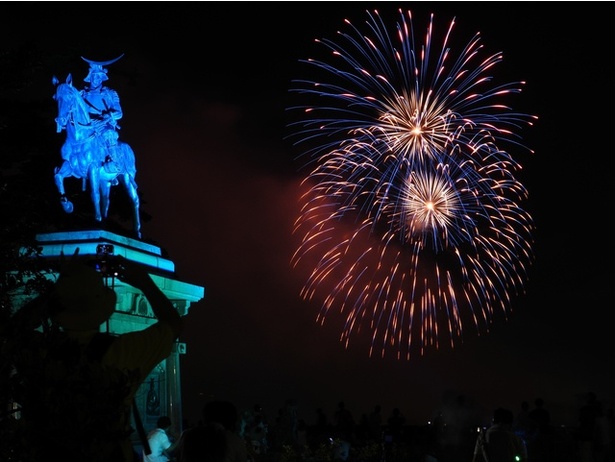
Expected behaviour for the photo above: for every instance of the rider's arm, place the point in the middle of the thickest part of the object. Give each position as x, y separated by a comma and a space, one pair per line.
114, 108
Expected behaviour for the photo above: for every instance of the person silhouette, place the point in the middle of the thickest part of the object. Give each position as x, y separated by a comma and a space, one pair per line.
161, 446
588, 430
499, 443
320, 429
374, 421
216, 439
523, 425
344, 422
540, 417
79, 302
395, 425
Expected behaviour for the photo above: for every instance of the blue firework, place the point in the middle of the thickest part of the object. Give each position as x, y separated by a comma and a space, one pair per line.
411, 217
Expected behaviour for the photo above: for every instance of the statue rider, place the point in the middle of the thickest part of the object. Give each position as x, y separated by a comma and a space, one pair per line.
104, 107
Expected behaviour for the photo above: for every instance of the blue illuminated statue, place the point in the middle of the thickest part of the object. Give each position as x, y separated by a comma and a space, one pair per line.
92, 150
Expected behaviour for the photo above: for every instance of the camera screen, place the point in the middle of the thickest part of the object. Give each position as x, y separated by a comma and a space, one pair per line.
105, 249
105, 261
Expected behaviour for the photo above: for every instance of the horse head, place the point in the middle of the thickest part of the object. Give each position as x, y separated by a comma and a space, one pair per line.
61, 98
71, 107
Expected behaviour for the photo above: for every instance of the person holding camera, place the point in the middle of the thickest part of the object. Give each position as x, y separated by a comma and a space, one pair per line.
84, 381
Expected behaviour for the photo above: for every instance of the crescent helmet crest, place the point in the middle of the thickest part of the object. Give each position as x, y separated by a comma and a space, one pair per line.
97, 67
102, 63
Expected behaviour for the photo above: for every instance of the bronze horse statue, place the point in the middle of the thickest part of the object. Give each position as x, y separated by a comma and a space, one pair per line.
85, 156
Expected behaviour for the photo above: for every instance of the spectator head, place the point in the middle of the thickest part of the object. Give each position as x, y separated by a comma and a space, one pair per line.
81, 300
503, 416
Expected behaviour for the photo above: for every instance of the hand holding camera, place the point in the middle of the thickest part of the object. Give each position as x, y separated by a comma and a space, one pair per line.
130, 272
116, 266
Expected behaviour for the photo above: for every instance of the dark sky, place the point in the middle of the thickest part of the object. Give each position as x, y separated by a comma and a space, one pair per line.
204, 88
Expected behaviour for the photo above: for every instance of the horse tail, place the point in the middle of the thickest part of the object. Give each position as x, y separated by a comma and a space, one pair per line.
127, 159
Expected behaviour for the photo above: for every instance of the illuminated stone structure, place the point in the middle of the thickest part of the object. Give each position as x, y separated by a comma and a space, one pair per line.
161, 392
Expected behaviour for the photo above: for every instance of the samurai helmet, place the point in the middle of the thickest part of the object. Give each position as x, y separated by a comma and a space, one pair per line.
97, 67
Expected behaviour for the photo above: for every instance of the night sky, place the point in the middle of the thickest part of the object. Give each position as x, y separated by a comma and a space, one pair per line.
204, 87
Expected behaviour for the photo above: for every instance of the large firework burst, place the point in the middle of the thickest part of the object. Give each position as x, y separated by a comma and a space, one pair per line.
411, 220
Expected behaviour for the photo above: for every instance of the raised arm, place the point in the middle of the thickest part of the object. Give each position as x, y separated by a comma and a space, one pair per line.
133, 274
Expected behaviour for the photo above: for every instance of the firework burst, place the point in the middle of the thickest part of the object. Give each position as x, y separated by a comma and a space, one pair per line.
411, 220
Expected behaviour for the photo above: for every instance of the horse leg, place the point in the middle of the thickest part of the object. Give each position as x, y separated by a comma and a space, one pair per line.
131, 188
105, 193
59, 174
94, 177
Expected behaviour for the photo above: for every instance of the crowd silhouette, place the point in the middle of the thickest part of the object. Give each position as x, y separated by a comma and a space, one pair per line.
297, 434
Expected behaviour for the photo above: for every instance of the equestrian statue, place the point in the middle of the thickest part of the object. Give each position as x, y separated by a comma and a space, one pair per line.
92, 150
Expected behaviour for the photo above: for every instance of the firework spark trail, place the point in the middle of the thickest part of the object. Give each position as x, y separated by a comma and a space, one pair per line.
412, 211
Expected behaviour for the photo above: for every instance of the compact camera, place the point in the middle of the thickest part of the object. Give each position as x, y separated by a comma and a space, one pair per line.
105, 260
